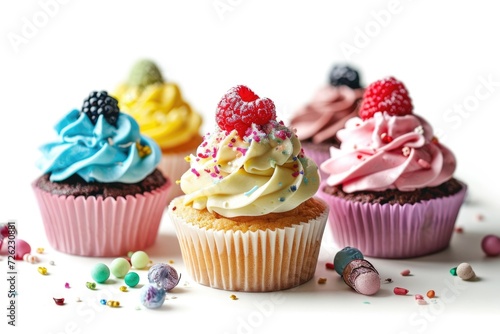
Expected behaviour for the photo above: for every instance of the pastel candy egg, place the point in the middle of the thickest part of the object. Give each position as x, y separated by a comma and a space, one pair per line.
139, 259
151, 296
164, 276
100, 273
465, 271
491, 245
119, 267
22, 247
132, 279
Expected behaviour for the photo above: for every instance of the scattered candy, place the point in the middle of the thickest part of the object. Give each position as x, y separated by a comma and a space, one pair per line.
419, 296
52, 263
103, 301
400, 291
465, 271
459, 230
491, 245
42, 270
90, 285
113, 303
453, 271
66, 285
40, 250
164, 276
123, 288
329, 265
322, 280
431, 294
30, 258
59, 301
405, 272
119, 267
100, 273
151, 296
357, 272
22, 247
233, 297
132, 279
139, 259
388, 280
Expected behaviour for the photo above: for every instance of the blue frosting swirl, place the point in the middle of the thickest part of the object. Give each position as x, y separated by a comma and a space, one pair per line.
98, 153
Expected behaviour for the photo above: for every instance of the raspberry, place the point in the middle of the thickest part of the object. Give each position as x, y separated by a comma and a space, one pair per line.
100, 103
240, 107
389, 95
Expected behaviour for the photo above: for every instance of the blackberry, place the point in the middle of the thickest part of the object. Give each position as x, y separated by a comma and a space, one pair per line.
344, 75
100, 103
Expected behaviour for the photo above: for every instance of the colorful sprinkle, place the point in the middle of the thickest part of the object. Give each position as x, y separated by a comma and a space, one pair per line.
405, 272
40, 250
329, 266
59, 301
42, 270
431, 294
233, 297
321, 280
90, 285
66, 285
400, 291
453, 271
103, 301
251, 191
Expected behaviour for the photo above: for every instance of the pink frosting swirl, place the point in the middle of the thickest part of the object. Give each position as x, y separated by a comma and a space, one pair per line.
330, 108
388, 152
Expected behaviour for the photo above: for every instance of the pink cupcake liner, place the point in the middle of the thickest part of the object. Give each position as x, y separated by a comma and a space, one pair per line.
259, 261
173, 165
394, 231
96, 227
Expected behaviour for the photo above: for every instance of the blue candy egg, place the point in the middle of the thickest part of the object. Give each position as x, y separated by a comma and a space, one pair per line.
151, 296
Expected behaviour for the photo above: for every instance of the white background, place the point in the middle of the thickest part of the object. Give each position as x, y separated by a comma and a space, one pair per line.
55, 52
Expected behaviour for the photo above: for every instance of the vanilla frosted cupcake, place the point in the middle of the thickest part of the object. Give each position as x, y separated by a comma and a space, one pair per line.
100, 192
163, 114
248, 220
391, 186
318, 121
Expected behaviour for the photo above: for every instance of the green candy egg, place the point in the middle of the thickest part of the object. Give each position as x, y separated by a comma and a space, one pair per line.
139, 259
132, 279
120, 267
100, 273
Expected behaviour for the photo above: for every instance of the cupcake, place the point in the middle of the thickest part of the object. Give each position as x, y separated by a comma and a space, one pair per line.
318, 121
163, 115
391, 186
100, 192
249, 220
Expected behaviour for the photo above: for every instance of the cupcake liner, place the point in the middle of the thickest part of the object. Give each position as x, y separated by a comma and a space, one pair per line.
97, 227
318, 153
394, 231
257, 261
173, 165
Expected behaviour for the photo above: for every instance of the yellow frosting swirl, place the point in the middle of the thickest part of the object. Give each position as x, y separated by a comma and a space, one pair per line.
251, 176
161, 113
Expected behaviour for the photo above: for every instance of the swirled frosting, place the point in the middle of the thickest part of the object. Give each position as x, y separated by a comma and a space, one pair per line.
251, 176
388, 152
161, 112
101, 152
326, 113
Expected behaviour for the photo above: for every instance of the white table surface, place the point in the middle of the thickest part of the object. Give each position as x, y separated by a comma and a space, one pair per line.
445, 53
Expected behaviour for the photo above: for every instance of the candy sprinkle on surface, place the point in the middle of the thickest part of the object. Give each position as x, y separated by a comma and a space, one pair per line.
400, 291
431, 294
405, 272
453, 271
233, 297
321, 280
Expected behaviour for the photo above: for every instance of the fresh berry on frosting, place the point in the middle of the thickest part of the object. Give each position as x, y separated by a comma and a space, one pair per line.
100, 103
241, 107
386, 95
343, 75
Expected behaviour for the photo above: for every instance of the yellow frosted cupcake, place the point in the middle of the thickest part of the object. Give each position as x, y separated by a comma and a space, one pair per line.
249, 220
163, 114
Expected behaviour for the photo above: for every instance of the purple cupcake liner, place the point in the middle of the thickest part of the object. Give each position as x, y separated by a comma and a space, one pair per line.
394, 231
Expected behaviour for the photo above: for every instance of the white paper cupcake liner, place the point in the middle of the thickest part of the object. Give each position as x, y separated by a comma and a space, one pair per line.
97, 227
394, 231
250, 261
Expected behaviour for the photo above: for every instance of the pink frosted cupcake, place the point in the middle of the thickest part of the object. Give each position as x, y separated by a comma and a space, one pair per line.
100, 192
390, 188
332, 105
